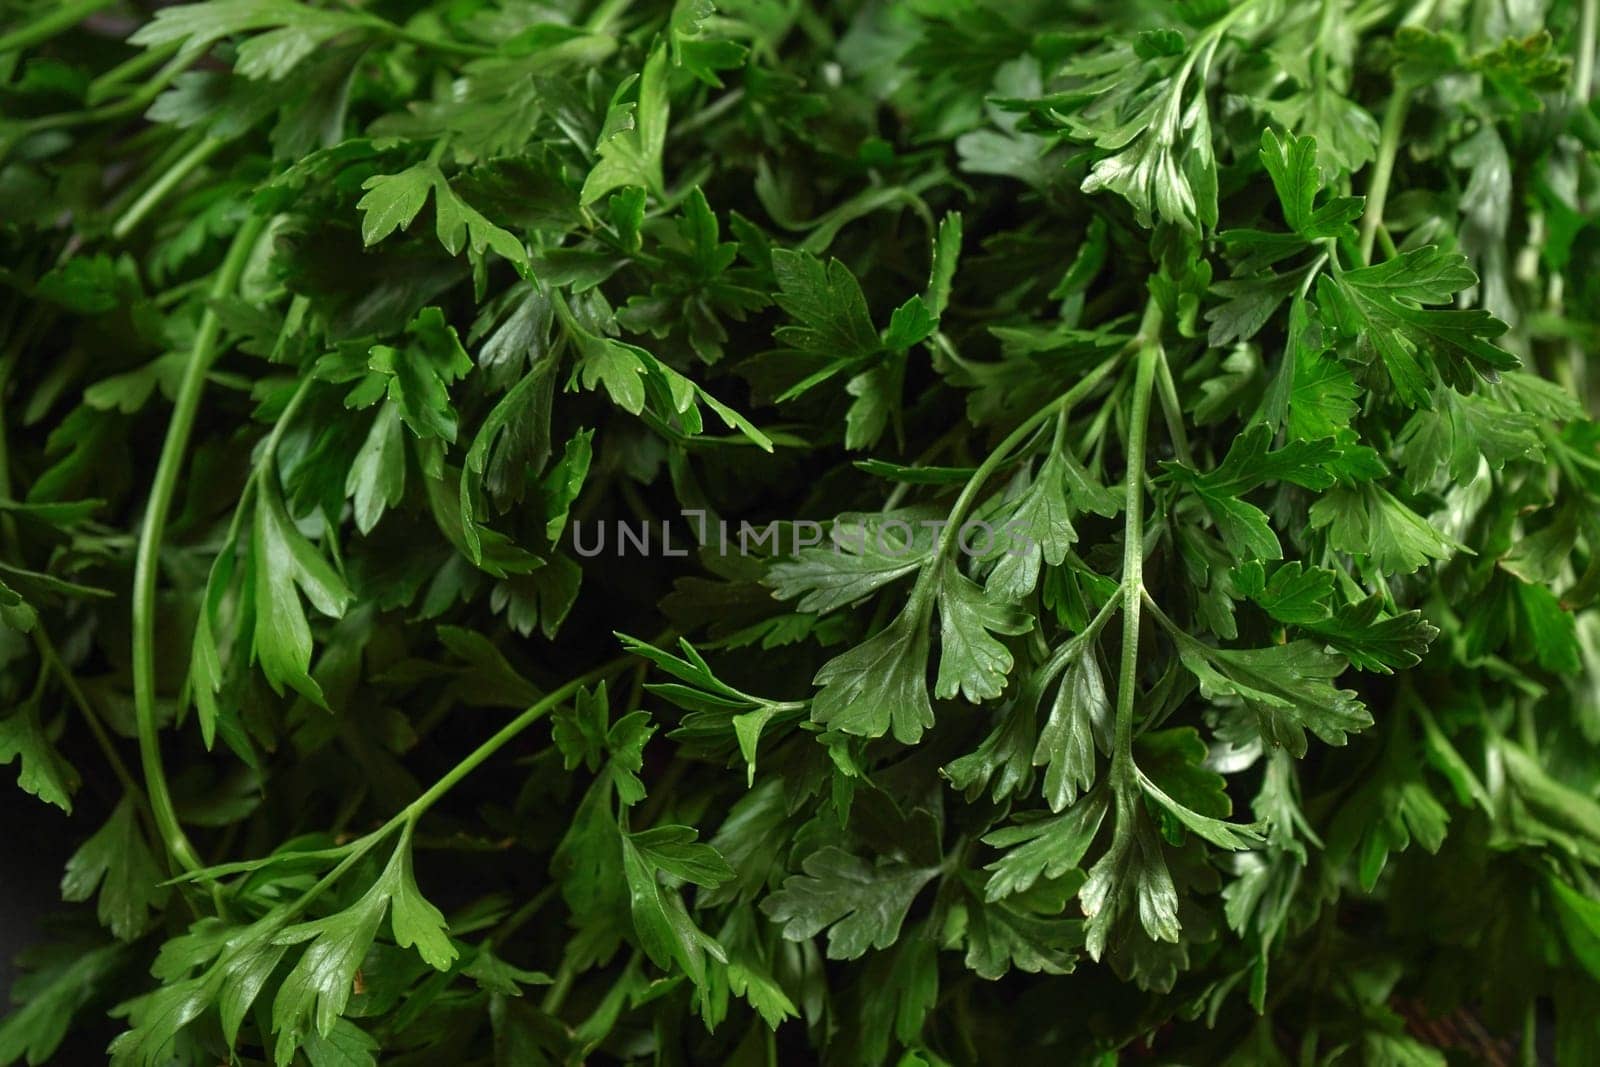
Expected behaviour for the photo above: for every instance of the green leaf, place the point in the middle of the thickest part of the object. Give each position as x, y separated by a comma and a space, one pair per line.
417, 378
860, 904
1130, 878
1459, 432
1044, 847
1000, 937
564, 482
117, 861
1249, 464
1292, 165
1368, 521
59, 981
1287, 687
1373, 640
317, 990
347, 1045
1323, 394
827, 304
1382, 310
634, 134
1580, 922
296, 31
671, 849
284, 561
460, 225
881, 683
1080, 714
1222, 834
1042, 532
42, 772
377, 478
666, 932
392, 201
865, 555
414, 921
1294, 594
697, 50
972, 662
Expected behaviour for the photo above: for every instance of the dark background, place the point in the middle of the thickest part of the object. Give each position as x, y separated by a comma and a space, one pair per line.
35, 841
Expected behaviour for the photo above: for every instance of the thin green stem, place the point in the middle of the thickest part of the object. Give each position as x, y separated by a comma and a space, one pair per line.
1002, 452
148, 553
128, 70
1068, 650
557, 993
1133, 557
436, 44
297, 399
1312, 271
407, 816
169, 179
1386, 242
1172, 411
131, 104
1583, 68
1394, 120
505, 734
530, 907
50, 24
52, 662
159, 162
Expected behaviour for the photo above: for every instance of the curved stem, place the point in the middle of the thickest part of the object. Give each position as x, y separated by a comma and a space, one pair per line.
131, 104
126, 71
499, 739
1133, 557
147, 555
1394, 120
47, 26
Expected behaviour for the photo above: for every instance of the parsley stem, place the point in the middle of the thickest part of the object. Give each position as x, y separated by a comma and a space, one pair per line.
1068, 650
47, 26
436, 44
129, 105
148, 554
129, 69
1173, 411
1394, 120
412, 811
1133, 552
958, 511
169, 179
51, 660
1312, 271
1583, 70
406, 818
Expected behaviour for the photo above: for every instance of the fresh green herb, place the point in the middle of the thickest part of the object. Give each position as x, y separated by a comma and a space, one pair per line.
731, 531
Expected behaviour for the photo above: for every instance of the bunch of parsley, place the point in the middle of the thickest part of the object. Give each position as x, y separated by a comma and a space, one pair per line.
336, 333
